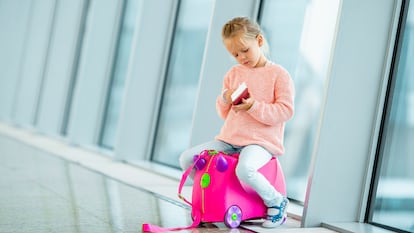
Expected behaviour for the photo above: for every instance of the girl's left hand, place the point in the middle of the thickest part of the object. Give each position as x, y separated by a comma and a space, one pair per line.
245, 105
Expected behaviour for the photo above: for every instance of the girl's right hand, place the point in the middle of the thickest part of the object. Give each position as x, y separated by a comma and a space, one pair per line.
227, 96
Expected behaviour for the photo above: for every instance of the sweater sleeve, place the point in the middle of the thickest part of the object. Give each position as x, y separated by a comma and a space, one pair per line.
282, 109
222, 107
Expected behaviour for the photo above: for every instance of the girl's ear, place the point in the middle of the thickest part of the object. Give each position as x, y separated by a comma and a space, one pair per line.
260, 40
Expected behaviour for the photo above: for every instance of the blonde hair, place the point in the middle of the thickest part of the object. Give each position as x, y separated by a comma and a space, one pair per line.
248, 28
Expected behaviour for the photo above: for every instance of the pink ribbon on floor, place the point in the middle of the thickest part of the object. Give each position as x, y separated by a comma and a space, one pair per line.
146, 227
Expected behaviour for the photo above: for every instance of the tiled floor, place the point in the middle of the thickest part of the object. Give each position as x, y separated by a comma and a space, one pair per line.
42, 192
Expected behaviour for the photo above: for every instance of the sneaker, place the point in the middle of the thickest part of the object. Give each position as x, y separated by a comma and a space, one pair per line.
276, 215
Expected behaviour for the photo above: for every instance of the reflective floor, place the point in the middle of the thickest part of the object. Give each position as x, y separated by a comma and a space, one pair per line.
41, 192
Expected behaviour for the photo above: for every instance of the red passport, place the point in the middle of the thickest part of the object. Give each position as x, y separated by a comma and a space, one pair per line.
240, 93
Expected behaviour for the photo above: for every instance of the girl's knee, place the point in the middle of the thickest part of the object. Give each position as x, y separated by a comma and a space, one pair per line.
185, 160
245, 172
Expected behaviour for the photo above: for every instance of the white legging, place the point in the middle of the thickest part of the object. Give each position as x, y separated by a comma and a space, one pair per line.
251, 159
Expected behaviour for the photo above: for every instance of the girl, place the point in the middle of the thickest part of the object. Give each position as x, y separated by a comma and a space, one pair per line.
254, 127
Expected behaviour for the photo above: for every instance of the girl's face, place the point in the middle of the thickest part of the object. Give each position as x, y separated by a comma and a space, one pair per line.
247, 52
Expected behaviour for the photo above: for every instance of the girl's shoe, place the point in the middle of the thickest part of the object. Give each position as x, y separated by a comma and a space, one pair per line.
276, 215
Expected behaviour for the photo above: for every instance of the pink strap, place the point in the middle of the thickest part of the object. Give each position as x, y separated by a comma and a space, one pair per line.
146, 227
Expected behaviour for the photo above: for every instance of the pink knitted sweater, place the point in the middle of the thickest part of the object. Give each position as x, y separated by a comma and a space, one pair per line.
263, 124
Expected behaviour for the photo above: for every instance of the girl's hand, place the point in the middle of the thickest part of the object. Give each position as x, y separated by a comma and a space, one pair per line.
244, 106
227, 95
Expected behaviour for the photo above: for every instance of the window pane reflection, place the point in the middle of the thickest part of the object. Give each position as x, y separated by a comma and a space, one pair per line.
174, 125
119, 74
394, 197
300, 35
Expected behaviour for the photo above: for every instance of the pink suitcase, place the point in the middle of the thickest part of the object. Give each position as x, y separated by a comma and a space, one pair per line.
219, 196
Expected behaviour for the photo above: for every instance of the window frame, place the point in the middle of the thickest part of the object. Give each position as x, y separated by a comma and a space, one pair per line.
385, 116
136, 127
371, 32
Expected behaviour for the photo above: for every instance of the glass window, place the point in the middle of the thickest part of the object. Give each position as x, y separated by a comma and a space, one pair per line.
119, 74
393, 202
300, 36
181, 84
